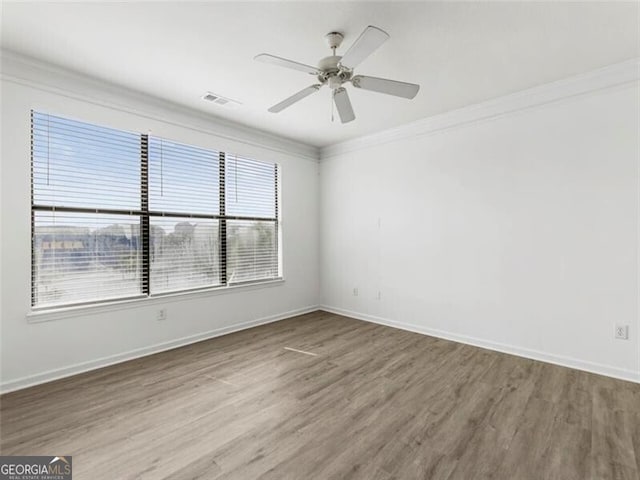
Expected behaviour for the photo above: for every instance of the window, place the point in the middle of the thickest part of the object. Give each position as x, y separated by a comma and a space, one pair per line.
86, 212
184, 216
122, 215
252, 222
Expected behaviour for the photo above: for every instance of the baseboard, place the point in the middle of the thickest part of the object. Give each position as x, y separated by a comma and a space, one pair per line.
563, 361
48, 376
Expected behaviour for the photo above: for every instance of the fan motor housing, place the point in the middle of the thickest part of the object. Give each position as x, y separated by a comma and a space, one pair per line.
330, 68
330, 63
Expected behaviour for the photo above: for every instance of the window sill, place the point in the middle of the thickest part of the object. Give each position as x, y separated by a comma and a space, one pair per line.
38, 316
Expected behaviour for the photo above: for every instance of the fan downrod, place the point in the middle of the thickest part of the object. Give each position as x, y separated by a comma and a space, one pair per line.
334, 40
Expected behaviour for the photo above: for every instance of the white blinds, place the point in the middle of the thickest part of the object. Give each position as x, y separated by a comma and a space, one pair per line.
76, 164
252, 228
85, 186
250, 188
183, 179
184, 205
185, 253
252, 250
118, 214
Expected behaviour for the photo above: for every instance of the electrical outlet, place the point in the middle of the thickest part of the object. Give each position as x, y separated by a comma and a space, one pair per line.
162, 314
379, 295
355, 291
622, 332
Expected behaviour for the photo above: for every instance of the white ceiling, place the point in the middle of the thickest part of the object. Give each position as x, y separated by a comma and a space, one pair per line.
460, 53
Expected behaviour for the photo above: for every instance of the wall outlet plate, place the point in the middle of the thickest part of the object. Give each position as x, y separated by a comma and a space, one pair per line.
162, 314
622, 332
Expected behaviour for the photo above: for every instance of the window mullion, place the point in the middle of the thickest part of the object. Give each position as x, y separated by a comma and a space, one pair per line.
223, 220
34, 284
144, 218
277, 214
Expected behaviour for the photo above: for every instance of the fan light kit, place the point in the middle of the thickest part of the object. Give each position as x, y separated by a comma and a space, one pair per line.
336, 70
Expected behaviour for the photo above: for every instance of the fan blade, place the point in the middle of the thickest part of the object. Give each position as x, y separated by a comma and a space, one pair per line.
343, 104
382, 85
368, 41
294, 98
283, 62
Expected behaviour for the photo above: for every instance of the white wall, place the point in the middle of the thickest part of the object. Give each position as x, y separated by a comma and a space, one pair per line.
518, 233
34, 352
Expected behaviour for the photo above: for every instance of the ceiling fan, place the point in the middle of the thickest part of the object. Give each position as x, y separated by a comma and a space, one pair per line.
337, 70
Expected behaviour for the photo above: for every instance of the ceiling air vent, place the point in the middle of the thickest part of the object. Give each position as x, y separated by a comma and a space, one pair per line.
220, 100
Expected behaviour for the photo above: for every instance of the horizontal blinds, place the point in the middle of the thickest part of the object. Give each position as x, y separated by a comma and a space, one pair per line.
251, 250
84, 258
250, 188
251, 191
117, 214
86, 223
76, 164
182, 178
184, 253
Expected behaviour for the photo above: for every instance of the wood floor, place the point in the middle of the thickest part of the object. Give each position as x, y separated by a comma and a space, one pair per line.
372, 403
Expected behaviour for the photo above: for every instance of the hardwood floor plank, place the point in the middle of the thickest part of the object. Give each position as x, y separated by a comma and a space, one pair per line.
369, 403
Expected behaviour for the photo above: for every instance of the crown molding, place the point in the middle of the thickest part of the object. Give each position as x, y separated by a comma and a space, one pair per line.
45, 76
34, 73
615, 75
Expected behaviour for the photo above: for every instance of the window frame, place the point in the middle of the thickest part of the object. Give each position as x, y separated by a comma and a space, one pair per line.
145, 214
